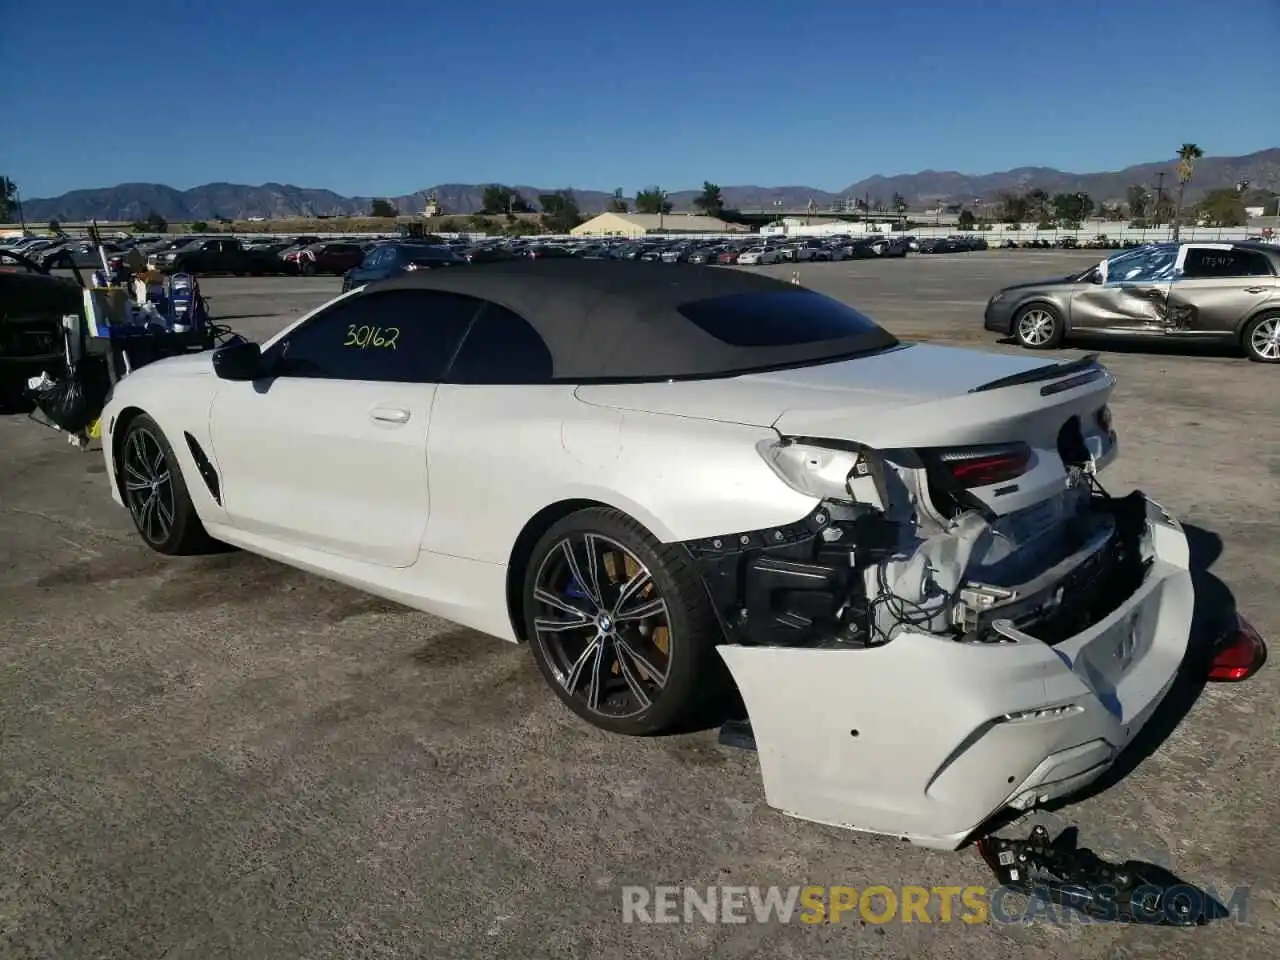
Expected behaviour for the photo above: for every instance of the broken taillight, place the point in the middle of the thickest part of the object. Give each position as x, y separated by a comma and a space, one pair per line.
985, 465
1240, 653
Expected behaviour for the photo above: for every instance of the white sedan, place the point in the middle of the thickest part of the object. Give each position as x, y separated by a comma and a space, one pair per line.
649, 474
755, 256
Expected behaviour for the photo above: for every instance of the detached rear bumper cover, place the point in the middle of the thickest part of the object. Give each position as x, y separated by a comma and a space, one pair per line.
925, 738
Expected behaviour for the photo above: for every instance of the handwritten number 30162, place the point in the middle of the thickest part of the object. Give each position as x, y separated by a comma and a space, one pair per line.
366, 336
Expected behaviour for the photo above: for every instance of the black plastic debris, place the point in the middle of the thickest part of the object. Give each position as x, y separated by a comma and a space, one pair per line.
1075, 877
737, 733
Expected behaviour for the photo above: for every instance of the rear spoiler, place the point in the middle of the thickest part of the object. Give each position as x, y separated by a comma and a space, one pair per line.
1085, 369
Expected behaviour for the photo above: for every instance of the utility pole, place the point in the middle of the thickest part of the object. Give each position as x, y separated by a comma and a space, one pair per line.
1159, 194
22, 220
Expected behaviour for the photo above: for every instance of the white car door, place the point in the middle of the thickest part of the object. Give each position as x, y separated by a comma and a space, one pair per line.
329, 452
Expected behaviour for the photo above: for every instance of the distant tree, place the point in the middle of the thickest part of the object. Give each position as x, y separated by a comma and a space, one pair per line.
382, 207
899, 204
55, 228
1223, 208
498, 199
1188, 154
1012, 207
155, 223
709, 203
861, 204
617, 203
199, 226
8, 199
1037, 205
967, 220
1139, 201
1072, 207
560, 212
652, 200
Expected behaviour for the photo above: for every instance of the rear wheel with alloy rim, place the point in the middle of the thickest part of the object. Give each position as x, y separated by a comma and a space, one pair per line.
620, 625
1262, 338
152, 487
1038, 327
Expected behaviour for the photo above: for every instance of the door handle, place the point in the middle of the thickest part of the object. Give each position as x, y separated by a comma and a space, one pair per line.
1255, 289
391, 414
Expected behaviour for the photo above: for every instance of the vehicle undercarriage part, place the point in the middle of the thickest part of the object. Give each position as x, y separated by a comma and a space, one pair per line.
1059, 871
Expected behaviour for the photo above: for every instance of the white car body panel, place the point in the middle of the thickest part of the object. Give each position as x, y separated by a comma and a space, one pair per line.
426, 509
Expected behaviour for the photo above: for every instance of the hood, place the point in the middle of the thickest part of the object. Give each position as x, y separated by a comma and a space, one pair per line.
902, 376
1054, 282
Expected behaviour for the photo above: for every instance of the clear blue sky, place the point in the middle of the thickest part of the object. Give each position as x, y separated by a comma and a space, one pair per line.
384, 98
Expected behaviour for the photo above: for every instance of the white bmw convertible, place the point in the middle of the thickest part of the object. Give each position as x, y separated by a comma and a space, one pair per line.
649, 473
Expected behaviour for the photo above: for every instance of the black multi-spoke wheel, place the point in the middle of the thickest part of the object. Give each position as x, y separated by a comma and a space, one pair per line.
152, 487
620, 626
148, 485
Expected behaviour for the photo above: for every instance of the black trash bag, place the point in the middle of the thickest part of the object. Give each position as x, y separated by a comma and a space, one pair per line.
73, 402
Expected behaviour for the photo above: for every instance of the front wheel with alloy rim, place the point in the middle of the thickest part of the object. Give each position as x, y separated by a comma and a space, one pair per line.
152, 487
1038, 327
620, 625
1262, 338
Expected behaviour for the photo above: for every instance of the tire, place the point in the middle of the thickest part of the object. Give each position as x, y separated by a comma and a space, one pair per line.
679, 680
1261, 338
309, 268
145, 454
1038, 326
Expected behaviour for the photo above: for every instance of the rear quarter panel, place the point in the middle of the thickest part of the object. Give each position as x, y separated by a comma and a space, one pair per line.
497, 456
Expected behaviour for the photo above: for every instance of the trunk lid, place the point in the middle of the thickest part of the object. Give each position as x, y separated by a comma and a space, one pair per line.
906, 375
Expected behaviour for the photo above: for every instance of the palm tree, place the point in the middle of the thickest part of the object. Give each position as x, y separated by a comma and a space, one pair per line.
1188, 154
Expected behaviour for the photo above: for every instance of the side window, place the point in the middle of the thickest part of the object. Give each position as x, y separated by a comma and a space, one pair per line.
1149, 266
399, 336
374, 258
502, 348
1209, 262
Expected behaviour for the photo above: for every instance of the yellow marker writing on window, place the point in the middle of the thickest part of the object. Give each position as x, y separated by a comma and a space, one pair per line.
365, 336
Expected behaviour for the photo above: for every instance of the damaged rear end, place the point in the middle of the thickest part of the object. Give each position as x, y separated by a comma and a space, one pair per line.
966, 622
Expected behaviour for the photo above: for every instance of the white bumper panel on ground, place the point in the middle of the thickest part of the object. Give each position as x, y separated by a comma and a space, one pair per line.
925, 738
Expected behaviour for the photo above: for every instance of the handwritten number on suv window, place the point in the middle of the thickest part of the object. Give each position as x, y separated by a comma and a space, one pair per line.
364, 336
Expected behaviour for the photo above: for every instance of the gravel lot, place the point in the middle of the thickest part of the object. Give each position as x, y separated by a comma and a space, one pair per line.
221, 757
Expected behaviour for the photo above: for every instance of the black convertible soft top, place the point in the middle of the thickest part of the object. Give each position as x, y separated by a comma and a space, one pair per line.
628, 320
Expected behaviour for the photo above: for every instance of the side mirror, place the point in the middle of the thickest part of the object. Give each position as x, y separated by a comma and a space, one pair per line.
238, 361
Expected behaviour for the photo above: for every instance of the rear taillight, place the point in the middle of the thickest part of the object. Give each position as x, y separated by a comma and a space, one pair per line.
1239, 654
985, 465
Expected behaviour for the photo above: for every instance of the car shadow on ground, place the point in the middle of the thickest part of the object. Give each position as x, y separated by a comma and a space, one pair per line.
1215, 609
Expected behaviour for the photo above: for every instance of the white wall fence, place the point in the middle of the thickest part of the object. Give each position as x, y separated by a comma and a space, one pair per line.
1021, 233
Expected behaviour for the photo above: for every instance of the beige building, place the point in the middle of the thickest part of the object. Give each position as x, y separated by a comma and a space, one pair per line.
640, 224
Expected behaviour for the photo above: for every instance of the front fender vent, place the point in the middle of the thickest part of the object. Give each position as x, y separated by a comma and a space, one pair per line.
207, 473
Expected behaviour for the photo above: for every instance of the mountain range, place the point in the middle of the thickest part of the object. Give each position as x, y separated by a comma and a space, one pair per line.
134, 201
